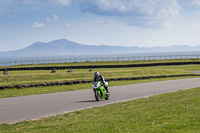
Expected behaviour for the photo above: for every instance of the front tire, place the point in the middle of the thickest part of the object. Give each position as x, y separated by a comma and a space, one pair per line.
97, 96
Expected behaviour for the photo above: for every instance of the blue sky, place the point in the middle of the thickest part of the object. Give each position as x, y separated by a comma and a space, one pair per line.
143, 23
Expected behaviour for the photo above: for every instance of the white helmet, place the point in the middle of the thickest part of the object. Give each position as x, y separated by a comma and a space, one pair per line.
96, 74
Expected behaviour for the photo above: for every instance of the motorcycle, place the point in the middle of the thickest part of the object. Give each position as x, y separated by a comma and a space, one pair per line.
100, 91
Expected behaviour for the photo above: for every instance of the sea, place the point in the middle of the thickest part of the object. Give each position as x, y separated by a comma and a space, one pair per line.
7, 61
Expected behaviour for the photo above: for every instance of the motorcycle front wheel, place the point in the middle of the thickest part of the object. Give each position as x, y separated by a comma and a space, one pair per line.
97, 96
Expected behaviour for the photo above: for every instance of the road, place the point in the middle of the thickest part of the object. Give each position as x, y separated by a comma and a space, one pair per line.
30, 107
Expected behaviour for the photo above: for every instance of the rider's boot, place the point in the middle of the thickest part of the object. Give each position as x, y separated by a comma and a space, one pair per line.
107, 92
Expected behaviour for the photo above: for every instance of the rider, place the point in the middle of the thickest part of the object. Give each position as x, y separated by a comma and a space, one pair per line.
98, 77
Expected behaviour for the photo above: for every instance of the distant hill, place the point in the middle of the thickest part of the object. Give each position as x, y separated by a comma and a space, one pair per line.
66, 47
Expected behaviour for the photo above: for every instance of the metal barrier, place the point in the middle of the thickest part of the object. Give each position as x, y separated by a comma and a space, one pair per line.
71, 60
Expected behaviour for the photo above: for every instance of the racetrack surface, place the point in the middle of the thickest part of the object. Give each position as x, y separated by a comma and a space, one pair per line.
29, 107
196, 72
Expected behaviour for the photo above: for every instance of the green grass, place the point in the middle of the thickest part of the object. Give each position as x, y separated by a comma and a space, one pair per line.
41, 76
175, 112
104, 63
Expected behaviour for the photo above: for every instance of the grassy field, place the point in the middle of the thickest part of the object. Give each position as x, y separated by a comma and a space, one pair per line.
105, 63
41, 76
170, 112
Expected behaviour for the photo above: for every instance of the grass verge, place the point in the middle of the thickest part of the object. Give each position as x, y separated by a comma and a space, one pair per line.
170, 112
41, 76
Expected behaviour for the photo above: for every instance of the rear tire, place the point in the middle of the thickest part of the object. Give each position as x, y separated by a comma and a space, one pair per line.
97, 96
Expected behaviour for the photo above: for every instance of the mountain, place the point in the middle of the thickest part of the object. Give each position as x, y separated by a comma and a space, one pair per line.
66, 47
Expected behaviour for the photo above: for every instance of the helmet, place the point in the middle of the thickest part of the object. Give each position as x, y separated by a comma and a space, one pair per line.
96, 74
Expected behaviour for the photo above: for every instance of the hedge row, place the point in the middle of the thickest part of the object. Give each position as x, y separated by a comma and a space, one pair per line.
20, 86
102, 66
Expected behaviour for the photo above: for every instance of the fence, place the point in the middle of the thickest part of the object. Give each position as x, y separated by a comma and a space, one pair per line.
70, 60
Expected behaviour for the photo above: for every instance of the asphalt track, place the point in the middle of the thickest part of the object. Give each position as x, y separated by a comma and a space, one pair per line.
29, 107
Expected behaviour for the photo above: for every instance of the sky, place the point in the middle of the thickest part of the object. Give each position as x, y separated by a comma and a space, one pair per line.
143, 23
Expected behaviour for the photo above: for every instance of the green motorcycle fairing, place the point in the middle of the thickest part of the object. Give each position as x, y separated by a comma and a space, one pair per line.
101, 90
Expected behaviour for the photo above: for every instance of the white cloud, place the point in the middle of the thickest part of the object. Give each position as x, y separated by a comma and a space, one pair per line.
142, 13
61, 2
55, 17
107, 5
29, 2
25, 2
195, 26
15, 15
99, 21
37, 25
48, 19
69, 25
196, 3
151, 13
